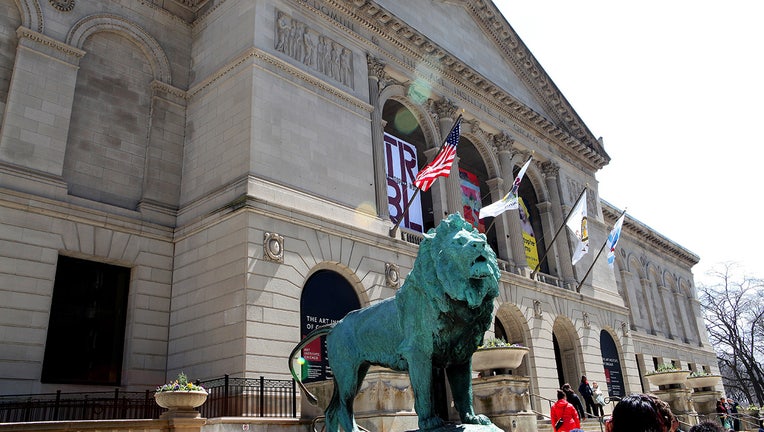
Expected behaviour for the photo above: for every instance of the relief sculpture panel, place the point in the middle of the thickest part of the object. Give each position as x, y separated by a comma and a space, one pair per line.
313, 49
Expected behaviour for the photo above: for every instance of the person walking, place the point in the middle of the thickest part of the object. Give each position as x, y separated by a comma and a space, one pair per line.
573, 398
564, 415
586, 392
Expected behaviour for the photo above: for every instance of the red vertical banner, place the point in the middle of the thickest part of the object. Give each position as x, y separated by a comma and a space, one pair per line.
471, 201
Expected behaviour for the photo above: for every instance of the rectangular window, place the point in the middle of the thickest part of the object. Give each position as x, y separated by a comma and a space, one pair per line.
86, 330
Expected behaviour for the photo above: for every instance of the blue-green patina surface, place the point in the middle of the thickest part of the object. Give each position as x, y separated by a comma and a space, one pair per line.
436, 319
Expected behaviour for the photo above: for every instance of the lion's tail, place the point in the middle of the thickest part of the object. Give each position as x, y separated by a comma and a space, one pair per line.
318, 332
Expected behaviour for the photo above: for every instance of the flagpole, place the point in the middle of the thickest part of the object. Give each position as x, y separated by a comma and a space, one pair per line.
518, 195
391, 233
578, 288
405, 210
564, 222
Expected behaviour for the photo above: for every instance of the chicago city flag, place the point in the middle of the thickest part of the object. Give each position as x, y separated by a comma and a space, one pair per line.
612, 239
509, 202
577, 224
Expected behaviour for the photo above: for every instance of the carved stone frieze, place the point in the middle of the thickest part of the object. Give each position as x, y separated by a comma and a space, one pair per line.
273, 247
313, 49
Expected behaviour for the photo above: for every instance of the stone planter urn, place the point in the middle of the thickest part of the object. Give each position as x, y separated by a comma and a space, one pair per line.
703, 381
501, 357
180, 403
668, 378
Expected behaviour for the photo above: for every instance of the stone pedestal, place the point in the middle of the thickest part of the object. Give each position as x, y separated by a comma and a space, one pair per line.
385, 401
704, 402
681, 404
505, 399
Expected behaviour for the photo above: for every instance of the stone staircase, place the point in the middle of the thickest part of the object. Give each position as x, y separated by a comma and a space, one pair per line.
588, 425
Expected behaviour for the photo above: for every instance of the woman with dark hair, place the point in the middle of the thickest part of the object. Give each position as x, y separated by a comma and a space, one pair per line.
723, 413
573, 398
641, 413
564, 415
586, 391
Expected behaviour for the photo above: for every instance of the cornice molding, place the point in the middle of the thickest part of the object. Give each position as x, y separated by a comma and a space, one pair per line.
646, 234
384, 24
63, 48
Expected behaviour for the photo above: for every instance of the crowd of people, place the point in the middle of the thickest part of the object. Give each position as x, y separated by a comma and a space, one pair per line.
640, 412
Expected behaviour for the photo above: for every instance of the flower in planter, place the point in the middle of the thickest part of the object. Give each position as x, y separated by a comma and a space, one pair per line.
665, 367
498, 342
180, 384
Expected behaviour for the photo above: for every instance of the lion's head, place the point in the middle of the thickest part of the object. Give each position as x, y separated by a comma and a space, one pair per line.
455, 260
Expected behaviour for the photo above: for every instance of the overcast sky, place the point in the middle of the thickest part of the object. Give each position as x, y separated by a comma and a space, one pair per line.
676, 90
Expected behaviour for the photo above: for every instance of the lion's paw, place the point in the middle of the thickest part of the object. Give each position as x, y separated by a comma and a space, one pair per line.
433, 422
478, 419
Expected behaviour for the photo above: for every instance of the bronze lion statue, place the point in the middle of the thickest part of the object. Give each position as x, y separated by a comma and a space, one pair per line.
436, 319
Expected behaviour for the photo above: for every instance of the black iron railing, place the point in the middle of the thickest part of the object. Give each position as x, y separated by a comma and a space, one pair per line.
78, 406
251, 397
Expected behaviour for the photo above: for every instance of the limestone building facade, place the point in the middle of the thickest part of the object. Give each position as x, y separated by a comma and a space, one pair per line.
191, 184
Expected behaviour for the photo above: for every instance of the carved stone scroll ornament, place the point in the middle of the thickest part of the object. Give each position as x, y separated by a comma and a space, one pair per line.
273, 247
63, 5
537, 312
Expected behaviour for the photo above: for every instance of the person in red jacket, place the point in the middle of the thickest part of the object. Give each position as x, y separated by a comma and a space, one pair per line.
565, 413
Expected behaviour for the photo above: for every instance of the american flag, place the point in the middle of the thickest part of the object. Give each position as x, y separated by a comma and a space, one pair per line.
441, 165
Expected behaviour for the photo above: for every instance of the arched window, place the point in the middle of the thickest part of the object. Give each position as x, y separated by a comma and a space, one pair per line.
611, 362
326, 298
533, 232
405, 147
473, 177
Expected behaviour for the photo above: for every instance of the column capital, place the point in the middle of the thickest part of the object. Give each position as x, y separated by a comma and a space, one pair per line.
443, 108
550, 169
503, 143
376, 67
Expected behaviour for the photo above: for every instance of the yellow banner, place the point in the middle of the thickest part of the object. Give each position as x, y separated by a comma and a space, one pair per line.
529, 238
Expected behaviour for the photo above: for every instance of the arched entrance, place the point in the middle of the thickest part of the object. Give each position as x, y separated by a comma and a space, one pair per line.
566, 352
326, 298
511, 326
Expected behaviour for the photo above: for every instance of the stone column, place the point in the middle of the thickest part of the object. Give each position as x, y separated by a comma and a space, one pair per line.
437, 192
445, 110
161, 187
39, 109
681, 314
665, 294
561, 245
511, 217
645, 283
376, 74
504, 252
547, 227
